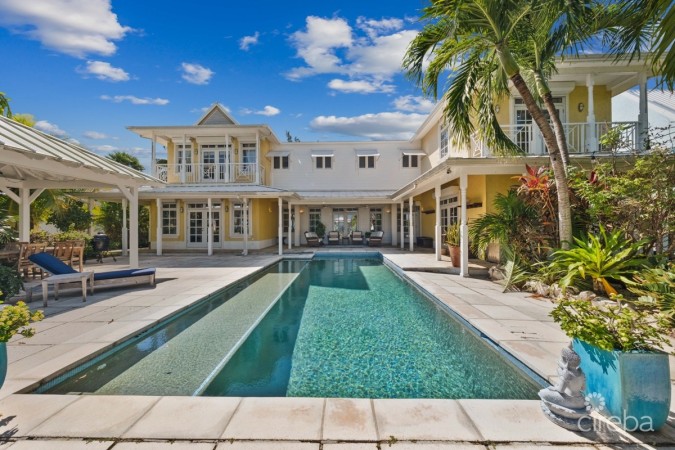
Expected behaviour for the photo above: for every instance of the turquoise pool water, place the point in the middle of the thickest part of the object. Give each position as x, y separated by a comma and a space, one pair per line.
331, 328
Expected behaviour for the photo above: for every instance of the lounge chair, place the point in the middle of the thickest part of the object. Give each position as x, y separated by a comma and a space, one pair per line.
357, 237
312, 239
376, 238
333, 238
53, 265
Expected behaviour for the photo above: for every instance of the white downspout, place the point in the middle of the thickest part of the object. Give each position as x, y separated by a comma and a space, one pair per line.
464, 229
439, 232
160, 236
209, 227
280, 225
411, 223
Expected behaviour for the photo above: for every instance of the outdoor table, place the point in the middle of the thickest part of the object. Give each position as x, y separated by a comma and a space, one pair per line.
56, 280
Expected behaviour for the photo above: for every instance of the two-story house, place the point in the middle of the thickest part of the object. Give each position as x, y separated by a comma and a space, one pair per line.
234, 186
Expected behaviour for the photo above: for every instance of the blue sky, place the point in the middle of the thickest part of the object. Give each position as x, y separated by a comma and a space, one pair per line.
324, 70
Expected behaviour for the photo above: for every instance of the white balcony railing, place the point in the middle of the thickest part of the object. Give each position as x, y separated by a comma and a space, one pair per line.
210, 173
582, 138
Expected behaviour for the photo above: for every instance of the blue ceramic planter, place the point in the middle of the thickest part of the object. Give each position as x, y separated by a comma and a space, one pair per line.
635, 386
3, 362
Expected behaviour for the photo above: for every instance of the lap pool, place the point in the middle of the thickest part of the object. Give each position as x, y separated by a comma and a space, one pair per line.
330, 327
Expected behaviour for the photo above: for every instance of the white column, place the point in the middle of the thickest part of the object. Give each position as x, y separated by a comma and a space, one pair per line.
439, 232
125, 230
209, 227
159, 237
153, 156
229, 151
24, 214
280, 228
182, 163
296, 234
90, 208
591, 127
290, 226
245, 251
411, 224
464, 228
257, 157
402, 224
394, 235
133, 235
643, 117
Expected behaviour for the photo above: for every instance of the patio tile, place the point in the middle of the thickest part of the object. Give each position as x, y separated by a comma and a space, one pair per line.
542, 447
434, 446
16, 352
501, 312
274, 445
542, 357
185, 418
349, 420
469, 312
424, 419
277, 418
23, 412
94, 416
63, 332
342, 446
62, 445
164, 446
112, 332
70, 355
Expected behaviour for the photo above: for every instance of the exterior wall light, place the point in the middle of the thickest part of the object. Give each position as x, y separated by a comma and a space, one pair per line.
580, 107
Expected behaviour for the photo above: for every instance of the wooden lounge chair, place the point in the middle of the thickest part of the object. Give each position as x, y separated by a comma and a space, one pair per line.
357, 237
376, 238
312, 239
51, 264
24, 264
333, 238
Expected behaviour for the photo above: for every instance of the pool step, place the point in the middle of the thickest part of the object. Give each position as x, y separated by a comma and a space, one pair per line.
185, 363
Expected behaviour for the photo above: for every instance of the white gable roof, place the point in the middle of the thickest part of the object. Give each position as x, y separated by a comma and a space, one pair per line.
217, 115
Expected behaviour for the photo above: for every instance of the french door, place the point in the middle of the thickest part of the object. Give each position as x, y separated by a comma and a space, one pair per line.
526, 134
215, 162
197, 226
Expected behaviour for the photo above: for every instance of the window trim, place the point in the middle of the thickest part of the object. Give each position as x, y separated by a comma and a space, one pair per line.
168, 209
321, 162
281, 162
407, 160
233, 209
366, 161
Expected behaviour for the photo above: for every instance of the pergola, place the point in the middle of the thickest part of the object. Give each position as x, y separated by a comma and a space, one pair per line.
32, 161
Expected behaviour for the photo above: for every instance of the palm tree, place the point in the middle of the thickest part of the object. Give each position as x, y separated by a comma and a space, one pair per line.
5, 110
474, 38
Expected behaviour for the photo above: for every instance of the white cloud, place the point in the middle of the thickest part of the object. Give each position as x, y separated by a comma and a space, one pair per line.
382, 56
266, 111
374, 28
50, 128
360, 86
94, 135
196, 73
135, 100
105, 148
104, 71
411, 103
74, 27
380, 126
247, 41
317, 46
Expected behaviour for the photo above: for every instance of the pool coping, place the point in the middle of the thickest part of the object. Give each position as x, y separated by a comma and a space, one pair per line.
470, 413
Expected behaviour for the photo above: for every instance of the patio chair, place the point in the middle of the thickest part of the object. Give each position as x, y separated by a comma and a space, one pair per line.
312, 239
376, 238
51, 264
333, 238
357, 237
24, 264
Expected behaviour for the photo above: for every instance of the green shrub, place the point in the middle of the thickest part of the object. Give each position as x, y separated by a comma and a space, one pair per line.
10, 282
655, 287
605, 257
452, 237
14, 319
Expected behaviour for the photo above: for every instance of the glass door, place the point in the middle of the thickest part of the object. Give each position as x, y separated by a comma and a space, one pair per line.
198, 224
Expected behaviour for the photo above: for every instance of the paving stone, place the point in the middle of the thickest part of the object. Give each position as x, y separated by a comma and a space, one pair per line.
343, 446
423, 419
433, 446
23, 412
164, 446
185, 418
277, 418
273, 445
62, 445
349, 420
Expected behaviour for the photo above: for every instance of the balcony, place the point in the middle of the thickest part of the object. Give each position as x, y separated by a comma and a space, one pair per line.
582, 138
210, 173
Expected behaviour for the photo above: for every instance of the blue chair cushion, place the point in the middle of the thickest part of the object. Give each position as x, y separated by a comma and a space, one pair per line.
123, 273
51, 264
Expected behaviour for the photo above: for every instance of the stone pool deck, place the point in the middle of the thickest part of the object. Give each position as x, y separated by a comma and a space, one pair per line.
72, 331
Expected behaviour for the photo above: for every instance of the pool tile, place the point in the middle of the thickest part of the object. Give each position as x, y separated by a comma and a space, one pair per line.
94, 416
349, 420
163, 446
273, 445
423, 419
185, 418
277, 418
62, 445
23, 412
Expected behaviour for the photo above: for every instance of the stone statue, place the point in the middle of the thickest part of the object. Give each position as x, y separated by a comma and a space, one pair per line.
563, 403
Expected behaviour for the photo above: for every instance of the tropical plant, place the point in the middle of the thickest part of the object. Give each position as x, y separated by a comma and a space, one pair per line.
320, 229
452, 236
25, 119
655, 288
7, 233
473, 40
603, 257
10, 282
71, 215
612, 325
537, 188
515, 273
14, 319
514, 226
5, 109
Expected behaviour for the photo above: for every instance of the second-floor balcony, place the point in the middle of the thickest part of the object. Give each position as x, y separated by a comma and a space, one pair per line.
582, 138
211, 173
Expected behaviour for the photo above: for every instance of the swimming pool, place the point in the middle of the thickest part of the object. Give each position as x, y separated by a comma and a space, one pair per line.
330, 327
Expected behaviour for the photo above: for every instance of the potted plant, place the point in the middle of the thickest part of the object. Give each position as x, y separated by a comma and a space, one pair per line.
452, 238
14, 319
320, 230
620, 350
